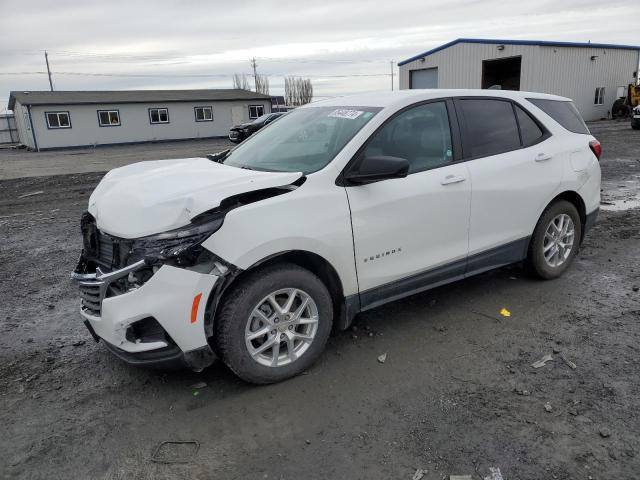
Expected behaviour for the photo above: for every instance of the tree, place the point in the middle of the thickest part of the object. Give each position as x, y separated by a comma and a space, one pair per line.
297, 91
240, 82
262, 84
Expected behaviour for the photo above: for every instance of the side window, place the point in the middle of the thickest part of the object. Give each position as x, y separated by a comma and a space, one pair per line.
203, 114
420, 135
490, 126
563, 112
58, 120
255, 111
109, 118
530, 131
599, 97
158, 115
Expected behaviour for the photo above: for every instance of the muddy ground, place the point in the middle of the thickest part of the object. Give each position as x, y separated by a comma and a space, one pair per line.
456, 394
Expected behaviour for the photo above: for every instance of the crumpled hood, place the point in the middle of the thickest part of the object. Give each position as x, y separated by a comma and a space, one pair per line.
152, 197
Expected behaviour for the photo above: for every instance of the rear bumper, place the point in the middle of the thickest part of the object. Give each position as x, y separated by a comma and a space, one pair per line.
175, 298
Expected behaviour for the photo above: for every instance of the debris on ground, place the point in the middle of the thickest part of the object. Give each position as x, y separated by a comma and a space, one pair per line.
419, 474
460, 477
635, 288
308, 442
543, 361
504, 312
605, 432
494, 474
31, 194
199, 385
548, 407
382, 358
522, 391
78, 343
569, 363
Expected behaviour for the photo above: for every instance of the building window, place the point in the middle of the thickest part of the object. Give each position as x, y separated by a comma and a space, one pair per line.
599, 100
109, 118
58, 120
159, 115
204, 114
256, 111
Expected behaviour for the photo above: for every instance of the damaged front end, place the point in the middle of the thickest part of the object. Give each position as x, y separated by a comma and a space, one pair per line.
110, 267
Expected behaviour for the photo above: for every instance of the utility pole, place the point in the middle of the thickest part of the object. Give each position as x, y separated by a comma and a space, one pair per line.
254, 65
46, 59
391, 63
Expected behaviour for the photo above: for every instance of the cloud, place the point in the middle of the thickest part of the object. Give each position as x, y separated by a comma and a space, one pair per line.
335, 42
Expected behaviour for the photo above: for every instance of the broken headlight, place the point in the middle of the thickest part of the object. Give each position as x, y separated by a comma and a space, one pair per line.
180, 247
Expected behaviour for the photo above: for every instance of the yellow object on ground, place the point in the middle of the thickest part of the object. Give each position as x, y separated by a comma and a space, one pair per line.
505, 313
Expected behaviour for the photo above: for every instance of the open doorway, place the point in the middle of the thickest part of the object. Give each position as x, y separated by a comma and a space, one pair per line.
503, 73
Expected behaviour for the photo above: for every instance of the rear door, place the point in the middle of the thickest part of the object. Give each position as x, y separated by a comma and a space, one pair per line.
514, 171
412, 231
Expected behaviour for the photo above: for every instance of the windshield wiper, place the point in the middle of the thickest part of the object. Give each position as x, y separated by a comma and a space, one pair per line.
219, 157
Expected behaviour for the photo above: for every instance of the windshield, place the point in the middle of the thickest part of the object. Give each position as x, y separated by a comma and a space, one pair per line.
304, 140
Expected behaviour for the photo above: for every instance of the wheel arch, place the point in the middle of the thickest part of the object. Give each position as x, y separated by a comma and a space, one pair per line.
577, 201
344, 308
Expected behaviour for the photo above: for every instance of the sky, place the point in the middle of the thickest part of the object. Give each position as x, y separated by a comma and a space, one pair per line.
343, 46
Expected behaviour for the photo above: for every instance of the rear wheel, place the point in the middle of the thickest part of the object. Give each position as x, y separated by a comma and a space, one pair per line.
555, 240
274, 324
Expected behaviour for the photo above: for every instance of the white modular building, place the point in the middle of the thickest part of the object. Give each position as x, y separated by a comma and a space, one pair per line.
593, 75
48, 120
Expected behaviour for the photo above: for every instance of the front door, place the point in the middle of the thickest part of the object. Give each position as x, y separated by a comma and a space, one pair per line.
413, 231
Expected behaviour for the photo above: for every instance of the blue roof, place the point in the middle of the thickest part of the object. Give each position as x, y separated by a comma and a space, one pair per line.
542, 43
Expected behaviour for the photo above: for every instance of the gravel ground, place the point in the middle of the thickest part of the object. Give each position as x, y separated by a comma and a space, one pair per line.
456, 394
21, 163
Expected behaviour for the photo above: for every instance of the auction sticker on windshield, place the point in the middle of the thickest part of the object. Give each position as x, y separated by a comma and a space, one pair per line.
350, 114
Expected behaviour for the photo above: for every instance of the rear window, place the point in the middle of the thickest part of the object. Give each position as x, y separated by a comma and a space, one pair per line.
491, 126
565, 113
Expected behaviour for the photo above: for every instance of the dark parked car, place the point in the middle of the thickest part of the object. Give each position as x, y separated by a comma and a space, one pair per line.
239, 132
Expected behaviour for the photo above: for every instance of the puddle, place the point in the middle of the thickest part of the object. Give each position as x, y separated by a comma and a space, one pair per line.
620, 204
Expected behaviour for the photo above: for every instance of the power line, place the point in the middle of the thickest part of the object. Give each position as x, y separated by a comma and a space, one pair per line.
195, 75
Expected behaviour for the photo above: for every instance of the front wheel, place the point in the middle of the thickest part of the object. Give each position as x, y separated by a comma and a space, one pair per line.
274, 324
555, 240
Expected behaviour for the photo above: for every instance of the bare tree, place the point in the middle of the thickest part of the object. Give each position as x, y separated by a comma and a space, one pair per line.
262, 84
297, 91
240, 82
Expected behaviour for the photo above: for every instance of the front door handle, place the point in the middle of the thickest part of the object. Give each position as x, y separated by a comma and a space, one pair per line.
543, 157
449, 179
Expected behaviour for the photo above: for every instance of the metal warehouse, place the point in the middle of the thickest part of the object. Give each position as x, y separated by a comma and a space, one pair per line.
46, 120
593, 75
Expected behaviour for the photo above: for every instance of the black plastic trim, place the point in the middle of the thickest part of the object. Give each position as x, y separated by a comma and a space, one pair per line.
590, 221
167, 357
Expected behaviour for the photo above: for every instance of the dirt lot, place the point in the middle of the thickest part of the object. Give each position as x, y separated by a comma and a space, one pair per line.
456, 395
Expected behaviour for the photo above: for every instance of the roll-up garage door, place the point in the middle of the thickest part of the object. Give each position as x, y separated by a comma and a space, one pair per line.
425, 78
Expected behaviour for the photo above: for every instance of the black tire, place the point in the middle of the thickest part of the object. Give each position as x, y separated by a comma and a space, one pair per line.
536, 261
635, 127
236, 311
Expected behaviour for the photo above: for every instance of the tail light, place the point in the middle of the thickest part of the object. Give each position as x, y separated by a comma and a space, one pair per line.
596, 148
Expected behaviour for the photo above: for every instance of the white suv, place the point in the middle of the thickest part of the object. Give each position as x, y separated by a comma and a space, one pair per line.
342, 205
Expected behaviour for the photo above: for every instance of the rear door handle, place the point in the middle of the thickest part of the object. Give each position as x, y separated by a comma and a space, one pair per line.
449, 179
543, 157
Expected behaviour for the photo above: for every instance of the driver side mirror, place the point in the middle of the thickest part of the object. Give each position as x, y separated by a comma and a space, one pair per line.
377, 168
